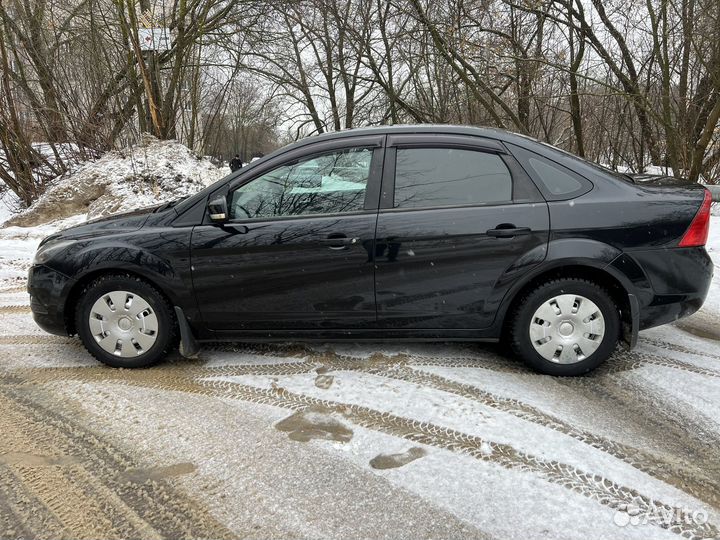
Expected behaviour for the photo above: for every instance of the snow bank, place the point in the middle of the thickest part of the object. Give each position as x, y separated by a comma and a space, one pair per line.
150, 173
9, 203
19, 244
712, 302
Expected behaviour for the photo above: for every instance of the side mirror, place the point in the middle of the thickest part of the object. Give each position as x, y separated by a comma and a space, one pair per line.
218, 210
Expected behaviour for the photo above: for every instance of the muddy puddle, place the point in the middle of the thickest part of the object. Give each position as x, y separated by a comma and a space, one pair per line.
393, 461
160, 473
314, 423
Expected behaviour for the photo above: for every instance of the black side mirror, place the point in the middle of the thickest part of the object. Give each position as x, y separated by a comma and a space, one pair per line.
218, 210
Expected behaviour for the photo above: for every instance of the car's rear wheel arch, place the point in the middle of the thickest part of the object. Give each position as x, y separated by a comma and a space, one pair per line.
601, 277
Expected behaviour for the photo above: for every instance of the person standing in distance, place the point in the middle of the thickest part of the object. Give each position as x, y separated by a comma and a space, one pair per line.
236, 163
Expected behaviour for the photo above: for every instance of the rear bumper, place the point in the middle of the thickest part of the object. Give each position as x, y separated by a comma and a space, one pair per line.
675, 285
48, 291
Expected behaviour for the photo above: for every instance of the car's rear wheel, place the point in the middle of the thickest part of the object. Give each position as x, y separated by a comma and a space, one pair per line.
565, 327
124, 321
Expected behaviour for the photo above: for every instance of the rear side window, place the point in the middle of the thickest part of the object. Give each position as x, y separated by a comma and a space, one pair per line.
426, 177
556, 182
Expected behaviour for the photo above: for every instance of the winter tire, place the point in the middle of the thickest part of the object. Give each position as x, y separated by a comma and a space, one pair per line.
565, 327
124, 321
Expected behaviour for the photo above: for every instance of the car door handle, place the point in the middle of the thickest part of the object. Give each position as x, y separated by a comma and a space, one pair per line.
338, 242
508, 232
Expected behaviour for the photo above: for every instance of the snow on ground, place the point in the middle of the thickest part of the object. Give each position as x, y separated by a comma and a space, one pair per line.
475, 418
9, 204
482, 494
329, 441
712, 303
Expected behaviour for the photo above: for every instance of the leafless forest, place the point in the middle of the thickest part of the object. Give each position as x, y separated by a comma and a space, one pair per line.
627, 83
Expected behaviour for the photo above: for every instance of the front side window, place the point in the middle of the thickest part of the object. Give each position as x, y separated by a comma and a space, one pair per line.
427, 177
326, 184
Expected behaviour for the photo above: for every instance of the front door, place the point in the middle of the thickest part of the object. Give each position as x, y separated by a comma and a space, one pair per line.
460, 222
296, 253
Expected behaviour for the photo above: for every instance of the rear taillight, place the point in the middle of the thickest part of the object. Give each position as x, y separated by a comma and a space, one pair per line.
697, 233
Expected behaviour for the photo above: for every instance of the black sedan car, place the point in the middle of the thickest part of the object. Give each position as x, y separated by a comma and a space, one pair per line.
392, 233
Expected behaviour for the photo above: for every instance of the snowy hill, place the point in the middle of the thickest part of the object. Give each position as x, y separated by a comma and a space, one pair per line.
151, 173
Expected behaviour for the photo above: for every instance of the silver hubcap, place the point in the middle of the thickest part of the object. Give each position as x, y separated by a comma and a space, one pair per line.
123, 324
567, 329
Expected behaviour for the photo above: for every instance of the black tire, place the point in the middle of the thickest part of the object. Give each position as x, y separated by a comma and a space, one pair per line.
519, 334
167, 333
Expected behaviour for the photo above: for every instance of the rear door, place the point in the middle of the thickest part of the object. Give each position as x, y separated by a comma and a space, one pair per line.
295, 254
459, 221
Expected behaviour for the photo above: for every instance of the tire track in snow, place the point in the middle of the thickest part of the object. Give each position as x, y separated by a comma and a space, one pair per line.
80, 509
696, 482
10, 290
40, 339
95, 489
590, 485
675, 347
593, 486
28, 519
621, 361
10, 310
61, 485
631, 360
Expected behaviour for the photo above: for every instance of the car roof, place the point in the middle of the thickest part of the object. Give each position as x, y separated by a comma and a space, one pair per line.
447, 129
441, 129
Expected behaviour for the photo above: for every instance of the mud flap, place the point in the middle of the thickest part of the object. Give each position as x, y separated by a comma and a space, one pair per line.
189, 347
632, 327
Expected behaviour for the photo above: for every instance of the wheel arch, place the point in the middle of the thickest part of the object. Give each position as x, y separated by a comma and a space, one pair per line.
619, 287
90, 276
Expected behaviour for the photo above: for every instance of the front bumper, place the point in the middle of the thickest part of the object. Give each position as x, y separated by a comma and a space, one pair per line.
48, 291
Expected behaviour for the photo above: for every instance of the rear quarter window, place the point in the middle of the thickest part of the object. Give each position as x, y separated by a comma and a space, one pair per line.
557, 183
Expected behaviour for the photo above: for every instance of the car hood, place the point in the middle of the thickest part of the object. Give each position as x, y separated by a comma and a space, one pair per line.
125, 222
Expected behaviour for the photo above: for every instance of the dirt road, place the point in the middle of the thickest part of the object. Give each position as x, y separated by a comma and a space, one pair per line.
356, 442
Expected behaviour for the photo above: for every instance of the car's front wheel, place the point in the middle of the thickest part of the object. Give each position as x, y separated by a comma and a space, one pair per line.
124, 321
565, 327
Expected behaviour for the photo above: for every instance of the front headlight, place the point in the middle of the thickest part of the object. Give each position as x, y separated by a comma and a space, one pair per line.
47, 251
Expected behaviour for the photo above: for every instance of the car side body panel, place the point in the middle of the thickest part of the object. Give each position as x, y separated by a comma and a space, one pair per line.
283, 274
440, 269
